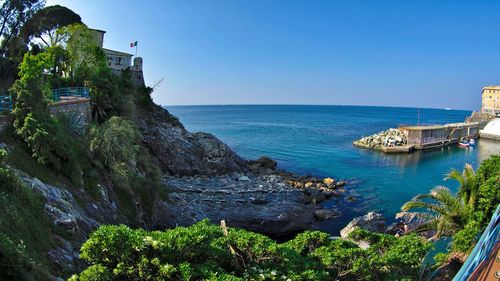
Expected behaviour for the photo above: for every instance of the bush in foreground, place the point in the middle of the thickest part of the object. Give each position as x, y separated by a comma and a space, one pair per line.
206, 252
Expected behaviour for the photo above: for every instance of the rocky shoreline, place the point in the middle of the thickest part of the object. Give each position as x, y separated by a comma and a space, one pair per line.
388, 138
264, 200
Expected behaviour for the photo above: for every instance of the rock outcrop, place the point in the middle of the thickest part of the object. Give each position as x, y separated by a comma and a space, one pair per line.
75, 214
181, 153
390, 137
372, 221
264, 204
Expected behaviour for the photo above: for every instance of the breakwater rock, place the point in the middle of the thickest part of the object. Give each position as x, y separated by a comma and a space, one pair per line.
390, 137
265, 203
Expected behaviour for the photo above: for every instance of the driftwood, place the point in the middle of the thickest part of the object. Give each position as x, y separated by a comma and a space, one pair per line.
237, 256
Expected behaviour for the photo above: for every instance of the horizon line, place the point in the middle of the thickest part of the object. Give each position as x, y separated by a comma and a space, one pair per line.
311, 104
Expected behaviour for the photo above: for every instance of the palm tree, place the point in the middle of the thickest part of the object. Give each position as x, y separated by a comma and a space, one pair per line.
442, 210
439, 210
468, 188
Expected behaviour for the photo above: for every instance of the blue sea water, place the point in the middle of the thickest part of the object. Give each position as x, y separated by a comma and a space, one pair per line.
317, 140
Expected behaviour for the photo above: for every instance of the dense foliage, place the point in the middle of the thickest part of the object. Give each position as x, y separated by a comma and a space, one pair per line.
24, 232
45, 22
13, 16
487, 198
206, 251
44, 135
448, 213
461, 216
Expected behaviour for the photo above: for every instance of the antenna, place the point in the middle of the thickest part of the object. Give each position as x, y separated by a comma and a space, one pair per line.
157, 83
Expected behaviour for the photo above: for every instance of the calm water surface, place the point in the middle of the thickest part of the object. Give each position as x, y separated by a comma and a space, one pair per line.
317, 140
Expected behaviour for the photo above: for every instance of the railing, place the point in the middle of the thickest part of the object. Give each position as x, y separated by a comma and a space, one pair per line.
70, 93
5, 103
490, 237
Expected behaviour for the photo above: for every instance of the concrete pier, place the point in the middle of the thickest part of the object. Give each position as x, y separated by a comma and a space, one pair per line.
436, 136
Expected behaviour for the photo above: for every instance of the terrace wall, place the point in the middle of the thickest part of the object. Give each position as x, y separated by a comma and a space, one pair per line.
76, 112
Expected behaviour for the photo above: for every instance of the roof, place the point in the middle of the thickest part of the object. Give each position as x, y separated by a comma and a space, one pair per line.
116, 52
434, 127
491, 87
99, 30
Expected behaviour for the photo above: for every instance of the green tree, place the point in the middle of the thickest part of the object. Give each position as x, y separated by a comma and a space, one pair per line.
115, 144
44, 135
468, 188
86, 60
44, 24
488, 181
13, 15
439, 210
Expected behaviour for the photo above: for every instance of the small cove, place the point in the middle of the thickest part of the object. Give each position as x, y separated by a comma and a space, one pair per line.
317, 140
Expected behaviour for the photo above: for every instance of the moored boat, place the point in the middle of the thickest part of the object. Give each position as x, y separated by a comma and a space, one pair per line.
472, 142
463, 143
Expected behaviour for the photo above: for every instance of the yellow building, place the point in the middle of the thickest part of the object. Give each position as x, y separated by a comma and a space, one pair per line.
491, 99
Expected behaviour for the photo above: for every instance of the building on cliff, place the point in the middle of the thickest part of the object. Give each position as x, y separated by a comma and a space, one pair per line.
491, 100
119, 61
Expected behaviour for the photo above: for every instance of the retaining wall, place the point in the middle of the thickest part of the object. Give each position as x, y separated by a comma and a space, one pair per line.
77, 112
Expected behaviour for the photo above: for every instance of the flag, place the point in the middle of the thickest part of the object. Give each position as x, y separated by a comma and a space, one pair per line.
133, 44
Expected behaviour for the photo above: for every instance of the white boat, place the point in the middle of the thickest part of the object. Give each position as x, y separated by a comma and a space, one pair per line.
463, 143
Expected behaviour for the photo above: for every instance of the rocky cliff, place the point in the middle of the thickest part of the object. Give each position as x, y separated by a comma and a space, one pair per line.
204, 178
181, 153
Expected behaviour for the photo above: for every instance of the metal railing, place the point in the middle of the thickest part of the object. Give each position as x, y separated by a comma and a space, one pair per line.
5, 103
70, 93
482, 250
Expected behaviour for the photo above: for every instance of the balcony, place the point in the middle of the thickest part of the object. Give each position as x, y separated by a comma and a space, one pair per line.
71, 94
5, 104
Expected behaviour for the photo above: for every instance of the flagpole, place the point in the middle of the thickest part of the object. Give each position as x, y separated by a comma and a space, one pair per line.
136, 49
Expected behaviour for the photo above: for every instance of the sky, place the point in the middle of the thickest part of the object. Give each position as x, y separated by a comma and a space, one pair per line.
435, 54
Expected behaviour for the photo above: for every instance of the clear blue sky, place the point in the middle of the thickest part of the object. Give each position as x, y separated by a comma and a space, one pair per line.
398, 53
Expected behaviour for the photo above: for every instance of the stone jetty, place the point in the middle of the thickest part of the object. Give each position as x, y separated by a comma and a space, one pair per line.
389, 138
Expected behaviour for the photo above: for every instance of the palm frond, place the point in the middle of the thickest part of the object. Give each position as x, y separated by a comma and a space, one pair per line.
454, 174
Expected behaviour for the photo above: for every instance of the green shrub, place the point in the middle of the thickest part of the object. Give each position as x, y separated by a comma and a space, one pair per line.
47, 139
488, 198
203, 252
464, 240
24, 230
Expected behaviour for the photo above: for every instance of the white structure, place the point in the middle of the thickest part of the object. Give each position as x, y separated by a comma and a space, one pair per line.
491, 130
118, 60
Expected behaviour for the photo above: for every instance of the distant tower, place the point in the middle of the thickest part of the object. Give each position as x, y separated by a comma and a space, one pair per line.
98, 36
138, 63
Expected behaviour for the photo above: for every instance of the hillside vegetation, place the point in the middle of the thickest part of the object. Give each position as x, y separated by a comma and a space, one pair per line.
112, 162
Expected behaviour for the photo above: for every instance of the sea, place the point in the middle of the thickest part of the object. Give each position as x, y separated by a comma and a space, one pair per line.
317, 140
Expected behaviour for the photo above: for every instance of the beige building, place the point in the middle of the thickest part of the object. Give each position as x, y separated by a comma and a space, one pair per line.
491, 99
117, 60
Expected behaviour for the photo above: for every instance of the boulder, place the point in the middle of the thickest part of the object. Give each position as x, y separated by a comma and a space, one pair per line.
325, 214
328, 181
263, 165
372, 221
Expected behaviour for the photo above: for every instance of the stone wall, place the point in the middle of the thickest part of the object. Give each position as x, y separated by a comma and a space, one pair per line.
136, 76
77, 113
